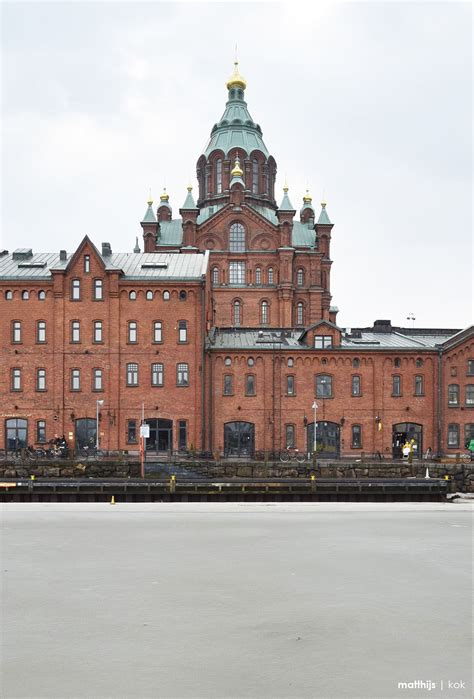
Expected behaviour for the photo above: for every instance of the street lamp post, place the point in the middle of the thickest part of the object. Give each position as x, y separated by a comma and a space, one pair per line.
97, 403
315, 407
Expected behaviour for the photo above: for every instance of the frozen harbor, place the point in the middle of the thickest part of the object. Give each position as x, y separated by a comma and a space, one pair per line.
236, 600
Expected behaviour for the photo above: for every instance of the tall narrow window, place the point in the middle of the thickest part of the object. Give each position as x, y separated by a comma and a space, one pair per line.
219, 176
132, 374
75, 331
323, 386
41, 431
299, 313
97, 335
250, 385
258, 276
470, 367
419, 386
453, 394
255, 176
215, 276
228, 388
237, 238
356, 437
87, 264
182, 375
41, 379
290, 385
97, 380
75, 289
300, 277
41, 331
16, 331
182, 331
453, 435
236, 313
396, 385
356, 385
470, 395
131, 431
182, 436
290, 436
75, 379
157, 331
16, 379
270, 275
98, 289
264, 313
157, 374
132, 331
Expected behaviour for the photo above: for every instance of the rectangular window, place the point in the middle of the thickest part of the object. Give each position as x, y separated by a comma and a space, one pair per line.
419, 386
468, 433
132, 374
237, 238
290, 436
157, 374
182, 434
470, 367
323, 386
98, 290
16, 379
356, 386
75, 331
290, 386
97, 331
183, 331
396, 385
41, 431
97, 381
16, 331
237, 273
453, 394
41, 379
132, 331
76, 290
453, 436
470, 395
41, 331
228, 389
87, 264
182, 375
157, 331
250, 385
322, 341
131, 432
75, 379
356, 437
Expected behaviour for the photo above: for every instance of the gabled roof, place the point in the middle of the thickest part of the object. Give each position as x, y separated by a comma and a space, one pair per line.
327, 323
459, 337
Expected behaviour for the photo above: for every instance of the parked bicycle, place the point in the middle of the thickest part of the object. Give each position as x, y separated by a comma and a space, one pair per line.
90, 452
467, 457
292, 454
21, 455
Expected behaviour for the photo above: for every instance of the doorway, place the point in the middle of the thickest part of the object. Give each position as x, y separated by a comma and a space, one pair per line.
239, 438
161, 435
328, 438
86, 432
404, 432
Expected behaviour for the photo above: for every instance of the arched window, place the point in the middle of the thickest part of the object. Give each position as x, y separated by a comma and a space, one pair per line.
149, 295
219, 176
237, 238
270, 275
236, 313
255, 176
258, 276
299, 313
25, 295
300, 277
215, 276
264, 312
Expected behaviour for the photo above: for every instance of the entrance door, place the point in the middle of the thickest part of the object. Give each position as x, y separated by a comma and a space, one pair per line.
239, 438
16, 433
404, 432
161, 435
327, 439
85, 432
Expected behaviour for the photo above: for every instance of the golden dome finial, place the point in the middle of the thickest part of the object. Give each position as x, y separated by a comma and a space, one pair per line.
150, 198
236, 80
190, 188
285, 186
237, 170
165, 196
307, 197
323, 204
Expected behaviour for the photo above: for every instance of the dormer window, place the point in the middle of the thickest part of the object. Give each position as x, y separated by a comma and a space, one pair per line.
322, 342
219, 176
255, 176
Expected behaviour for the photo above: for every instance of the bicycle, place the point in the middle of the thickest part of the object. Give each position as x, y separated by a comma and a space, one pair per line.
292, 454
467, 457
91, 453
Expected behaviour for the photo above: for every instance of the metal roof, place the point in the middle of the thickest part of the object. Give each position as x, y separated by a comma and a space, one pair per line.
236, 129
170, 232
174, 265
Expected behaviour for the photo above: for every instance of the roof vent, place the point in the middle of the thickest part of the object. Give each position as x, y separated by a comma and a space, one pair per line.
31, 265
3, 252
154, 265
260, 333
62, 255
106, 249
22, 254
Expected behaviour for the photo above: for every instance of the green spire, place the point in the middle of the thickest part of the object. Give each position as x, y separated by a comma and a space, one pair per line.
286, 204
323, 216
189, 202
137, 247
149, 216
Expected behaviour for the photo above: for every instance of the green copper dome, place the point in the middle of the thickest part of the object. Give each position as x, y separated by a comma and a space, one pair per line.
236, 129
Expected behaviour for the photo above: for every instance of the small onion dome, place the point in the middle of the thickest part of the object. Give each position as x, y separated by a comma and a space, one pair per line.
165, 196
237, 170
307, 199
236, 80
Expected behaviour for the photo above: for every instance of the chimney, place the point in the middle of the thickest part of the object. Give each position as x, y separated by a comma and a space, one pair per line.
62, 256
106, 250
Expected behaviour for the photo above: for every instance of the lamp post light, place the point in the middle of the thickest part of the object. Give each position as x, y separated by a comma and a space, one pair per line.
97, 403
315, 407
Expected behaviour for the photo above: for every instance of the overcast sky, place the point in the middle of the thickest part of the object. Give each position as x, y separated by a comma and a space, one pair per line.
369, 103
